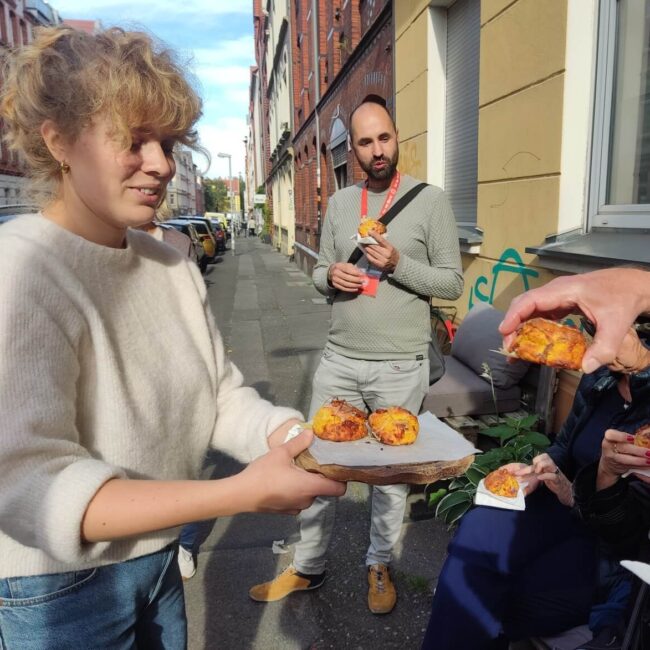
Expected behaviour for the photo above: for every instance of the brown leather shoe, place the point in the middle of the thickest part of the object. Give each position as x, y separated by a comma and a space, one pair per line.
381, 590
286, 583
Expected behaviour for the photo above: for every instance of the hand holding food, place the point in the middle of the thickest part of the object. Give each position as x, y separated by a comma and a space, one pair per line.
549, 343
382, 255
547, 472
339, 421
394, 426
622, 452
609, 298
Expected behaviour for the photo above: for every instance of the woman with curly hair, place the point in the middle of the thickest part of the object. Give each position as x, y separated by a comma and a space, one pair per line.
115, 380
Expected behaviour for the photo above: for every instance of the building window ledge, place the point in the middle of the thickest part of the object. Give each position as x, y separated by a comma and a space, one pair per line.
470, 238
578, 252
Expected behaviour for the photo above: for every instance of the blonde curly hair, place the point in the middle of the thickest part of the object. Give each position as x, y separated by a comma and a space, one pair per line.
70, 77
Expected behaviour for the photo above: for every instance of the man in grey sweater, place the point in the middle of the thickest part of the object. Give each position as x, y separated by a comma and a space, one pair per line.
377, 349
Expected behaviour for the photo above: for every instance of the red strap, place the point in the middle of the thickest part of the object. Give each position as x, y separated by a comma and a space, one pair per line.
387, 201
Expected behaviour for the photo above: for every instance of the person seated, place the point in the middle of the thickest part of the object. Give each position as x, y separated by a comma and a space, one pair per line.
515, 574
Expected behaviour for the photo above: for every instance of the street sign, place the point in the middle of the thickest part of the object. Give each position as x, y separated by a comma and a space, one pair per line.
259, 199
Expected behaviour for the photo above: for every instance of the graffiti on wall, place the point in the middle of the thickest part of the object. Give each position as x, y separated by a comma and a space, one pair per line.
509, 262
409, 160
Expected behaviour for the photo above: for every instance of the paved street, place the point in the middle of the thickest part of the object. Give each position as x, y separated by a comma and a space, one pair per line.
274, 324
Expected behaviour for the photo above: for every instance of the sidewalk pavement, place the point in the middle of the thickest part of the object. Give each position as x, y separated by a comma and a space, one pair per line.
274, 324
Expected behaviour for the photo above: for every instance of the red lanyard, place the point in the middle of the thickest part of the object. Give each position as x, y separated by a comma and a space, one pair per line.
387, 202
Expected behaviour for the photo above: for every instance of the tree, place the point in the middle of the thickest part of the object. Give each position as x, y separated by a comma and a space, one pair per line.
215, 194
242, 192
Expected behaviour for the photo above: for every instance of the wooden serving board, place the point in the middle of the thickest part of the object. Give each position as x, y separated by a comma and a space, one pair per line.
413, 473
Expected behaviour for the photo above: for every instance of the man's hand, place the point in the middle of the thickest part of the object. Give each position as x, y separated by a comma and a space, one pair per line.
382, 255
345, 277
611, 299
632, 356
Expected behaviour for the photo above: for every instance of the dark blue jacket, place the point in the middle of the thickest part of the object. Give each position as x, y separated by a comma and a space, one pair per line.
620, 514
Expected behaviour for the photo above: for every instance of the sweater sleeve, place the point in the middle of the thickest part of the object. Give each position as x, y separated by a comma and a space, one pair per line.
327, 253
442, 277
619, 514
244, 420
47, 478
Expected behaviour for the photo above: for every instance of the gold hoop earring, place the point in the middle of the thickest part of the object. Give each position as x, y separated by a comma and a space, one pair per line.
64, 167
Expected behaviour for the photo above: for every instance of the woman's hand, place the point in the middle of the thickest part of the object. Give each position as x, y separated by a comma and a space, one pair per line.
544, 470
619, 455
273, 483
524, 474
632, 355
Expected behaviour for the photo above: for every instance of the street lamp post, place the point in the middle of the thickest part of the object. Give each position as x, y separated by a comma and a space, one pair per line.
232, 216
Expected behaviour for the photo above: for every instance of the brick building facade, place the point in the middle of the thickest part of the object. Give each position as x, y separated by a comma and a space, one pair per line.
17, 23
355, 59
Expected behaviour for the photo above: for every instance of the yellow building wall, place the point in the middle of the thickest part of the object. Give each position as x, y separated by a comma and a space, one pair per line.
411, 84
520, 143
521, 86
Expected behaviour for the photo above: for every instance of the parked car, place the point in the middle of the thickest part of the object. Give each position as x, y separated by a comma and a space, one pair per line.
212, 222
9, 212
202, 229
219, 217
187, 228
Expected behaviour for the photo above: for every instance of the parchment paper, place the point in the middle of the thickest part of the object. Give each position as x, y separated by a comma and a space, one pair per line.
435, 441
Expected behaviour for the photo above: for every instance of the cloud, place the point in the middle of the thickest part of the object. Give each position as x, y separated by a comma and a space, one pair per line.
224, 135
237, 50
204, 9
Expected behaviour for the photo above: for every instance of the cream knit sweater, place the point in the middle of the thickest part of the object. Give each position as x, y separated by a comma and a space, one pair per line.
110, 366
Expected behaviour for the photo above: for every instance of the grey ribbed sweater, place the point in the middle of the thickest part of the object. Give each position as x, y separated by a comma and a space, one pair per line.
395, 324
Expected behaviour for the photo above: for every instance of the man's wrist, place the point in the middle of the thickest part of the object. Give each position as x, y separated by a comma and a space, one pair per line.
329, 275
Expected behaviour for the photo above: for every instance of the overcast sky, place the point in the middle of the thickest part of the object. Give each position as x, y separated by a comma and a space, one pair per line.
216, 36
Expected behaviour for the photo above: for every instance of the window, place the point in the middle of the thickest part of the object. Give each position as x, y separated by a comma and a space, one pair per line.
341, 176
461, 109
339, 151
620, 177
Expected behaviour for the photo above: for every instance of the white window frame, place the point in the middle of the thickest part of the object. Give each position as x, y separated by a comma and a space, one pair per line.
602, 215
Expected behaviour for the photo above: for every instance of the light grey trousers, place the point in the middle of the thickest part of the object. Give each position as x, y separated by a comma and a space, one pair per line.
366, 385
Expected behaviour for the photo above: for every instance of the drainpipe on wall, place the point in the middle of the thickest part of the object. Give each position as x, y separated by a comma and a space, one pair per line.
314, 22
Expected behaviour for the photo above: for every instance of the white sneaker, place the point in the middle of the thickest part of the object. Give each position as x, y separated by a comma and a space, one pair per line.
186, 563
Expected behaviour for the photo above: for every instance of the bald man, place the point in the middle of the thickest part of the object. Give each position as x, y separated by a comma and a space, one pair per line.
377, 350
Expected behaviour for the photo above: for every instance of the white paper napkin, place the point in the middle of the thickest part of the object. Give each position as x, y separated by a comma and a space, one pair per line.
484, 497
435, 441
639, 569
641, 471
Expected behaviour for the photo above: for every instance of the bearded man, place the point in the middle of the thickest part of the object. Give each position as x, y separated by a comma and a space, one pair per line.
377, 349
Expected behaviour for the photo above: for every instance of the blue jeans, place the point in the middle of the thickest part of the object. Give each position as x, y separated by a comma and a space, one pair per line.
188, 537
133, 604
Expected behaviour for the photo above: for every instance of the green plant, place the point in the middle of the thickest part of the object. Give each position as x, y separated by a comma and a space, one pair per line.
519, 442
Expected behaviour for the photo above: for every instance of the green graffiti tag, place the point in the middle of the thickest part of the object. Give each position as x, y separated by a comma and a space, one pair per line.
509, 262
